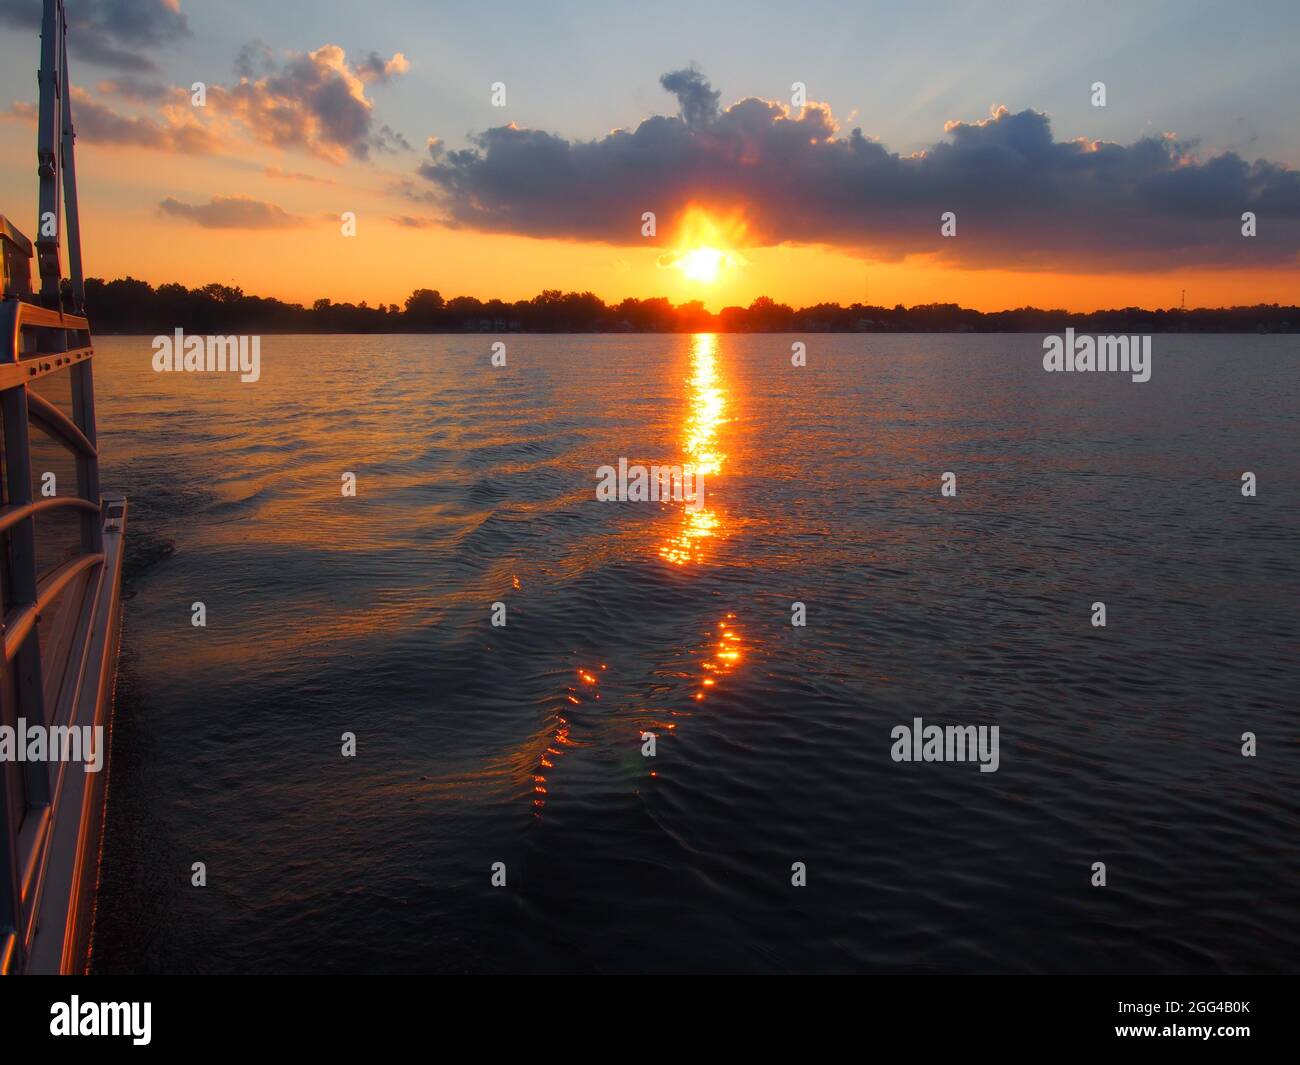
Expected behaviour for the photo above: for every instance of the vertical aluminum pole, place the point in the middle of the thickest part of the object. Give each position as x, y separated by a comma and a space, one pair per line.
47, 155
69, 173
83, 384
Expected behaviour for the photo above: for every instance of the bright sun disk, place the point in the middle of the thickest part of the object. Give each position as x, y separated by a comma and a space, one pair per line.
702, 264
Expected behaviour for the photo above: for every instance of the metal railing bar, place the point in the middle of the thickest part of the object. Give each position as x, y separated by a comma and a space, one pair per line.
34, 367
17, 315
31, 315
12, 515
45, 414
19, 622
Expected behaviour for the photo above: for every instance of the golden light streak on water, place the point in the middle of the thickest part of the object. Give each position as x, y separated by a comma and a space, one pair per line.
706, 414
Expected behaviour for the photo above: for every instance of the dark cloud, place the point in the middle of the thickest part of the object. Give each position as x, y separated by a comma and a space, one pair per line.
140, 90
413, 222
408, 189
375, 67
387, 139
254, 60
111, 33
175, 130
315, 101
1022, 198
696, 98
232, 212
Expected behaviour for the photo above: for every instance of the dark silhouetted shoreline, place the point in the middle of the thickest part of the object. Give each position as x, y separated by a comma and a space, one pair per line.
127, 305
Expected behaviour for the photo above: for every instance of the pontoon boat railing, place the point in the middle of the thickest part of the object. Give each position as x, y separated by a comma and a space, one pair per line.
36, 342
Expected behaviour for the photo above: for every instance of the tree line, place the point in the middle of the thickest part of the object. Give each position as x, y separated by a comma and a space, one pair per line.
127, 305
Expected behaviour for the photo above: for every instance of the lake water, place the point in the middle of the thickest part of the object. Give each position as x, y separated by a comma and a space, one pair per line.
522, 744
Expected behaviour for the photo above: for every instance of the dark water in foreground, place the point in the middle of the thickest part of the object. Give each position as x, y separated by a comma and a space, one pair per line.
522, 744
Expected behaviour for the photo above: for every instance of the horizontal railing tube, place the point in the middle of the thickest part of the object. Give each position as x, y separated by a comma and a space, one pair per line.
19, 622
59, 425
12, 515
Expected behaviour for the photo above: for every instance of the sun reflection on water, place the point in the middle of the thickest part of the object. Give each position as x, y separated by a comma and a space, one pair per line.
723, 648
560, 740
706, 414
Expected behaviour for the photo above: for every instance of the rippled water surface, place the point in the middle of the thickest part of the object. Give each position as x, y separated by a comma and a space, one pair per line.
522, 744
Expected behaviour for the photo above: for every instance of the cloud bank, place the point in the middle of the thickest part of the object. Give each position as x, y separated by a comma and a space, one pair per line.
1023, 199
112, 33
315, 102
174, 130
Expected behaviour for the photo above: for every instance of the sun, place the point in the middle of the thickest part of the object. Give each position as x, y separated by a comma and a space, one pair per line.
702, 264
703, 242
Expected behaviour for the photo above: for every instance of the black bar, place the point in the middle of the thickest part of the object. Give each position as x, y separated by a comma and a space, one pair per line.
906, 1018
